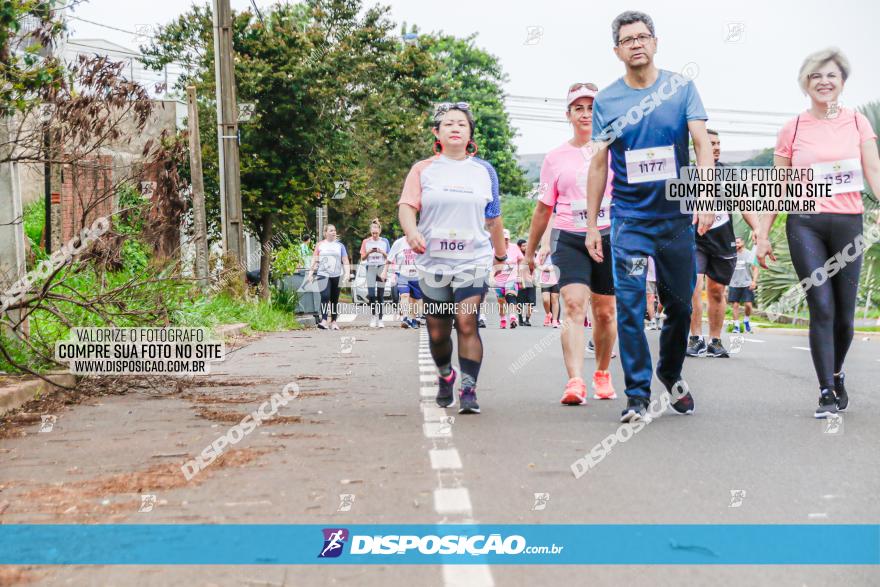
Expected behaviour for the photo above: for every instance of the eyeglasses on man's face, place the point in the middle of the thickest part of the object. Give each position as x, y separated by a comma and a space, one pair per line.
629, 42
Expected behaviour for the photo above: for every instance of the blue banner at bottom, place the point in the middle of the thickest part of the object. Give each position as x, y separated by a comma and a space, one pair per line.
685, 544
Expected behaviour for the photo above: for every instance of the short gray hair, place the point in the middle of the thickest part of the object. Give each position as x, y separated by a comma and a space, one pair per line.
629, 17
816, 60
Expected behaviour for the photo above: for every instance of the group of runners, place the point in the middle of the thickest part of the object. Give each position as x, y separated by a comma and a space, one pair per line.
603, 224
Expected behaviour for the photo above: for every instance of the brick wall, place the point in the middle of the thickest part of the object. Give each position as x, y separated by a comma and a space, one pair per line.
86, 193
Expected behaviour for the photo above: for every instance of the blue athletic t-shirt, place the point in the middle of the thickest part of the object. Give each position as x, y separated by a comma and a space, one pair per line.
656, 116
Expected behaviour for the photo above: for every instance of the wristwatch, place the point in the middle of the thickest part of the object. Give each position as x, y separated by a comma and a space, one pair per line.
501, 259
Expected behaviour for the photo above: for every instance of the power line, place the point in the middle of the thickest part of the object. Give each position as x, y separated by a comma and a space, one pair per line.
71, 5
728, 131
548, 101
112, 28
109, 51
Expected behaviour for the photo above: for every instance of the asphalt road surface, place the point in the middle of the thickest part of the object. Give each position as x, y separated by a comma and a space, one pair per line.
365, 427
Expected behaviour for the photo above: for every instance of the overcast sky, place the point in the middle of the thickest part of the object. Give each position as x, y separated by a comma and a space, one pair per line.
748, 51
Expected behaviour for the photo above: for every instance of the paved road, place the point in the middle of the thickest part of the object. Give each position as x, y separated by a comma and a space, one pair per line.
360, 428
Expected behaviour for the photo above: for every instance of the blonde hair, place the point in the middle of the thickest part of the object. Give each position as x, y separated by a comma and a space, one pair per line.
816, 60
376, 222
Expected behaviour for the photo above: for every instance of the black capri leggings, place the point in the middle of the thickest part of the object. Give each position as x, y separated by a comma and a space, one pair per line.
813, 239
330, 298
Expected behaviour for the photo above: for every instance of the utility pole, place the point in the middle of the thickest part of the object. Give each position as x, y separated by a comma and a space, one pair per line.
200, 226
52, 184
227, 133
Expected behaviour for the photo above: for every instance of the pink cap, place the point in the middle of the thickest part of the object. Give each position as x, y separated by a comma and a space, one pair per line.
580, 91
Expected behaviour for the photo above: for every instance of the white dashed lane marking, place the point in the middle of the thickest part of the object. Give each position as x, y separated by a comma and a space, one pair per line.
451, 499
445, 459
467, 576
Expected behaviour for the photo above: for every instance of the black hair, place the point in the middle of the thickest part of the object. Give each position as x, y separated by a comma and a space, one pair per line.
467, 114
712, 131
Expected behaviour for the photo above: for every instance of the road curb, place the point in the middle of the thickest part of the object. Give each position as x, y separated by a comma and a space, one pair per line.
230, 330
306, 321
16, 395
805, 331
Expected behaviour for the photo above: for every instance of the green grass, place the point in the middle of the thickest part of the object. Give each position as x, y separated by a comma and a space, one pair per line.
34, 217
223, 309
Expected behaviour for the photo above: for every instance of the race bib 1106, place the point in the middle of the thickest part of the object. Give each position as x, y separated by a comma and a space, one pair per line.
450, 243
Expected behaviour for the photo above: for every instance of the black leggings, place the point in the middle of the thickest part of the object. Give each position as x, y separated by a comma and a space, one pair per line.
813, 239
375, 289
470, 345
330, 298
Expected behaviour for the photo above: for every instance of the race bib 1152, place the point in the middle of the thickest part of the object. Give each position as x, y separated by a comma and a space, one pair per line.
844, 176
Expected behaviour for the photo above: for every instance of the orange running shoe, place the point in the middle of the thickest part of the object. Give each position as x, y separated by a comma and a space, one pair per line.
575, 392
602, 388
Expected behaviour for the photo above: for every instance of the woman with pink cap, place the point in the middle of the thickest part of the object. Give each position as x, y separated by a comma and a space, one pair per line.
563, 188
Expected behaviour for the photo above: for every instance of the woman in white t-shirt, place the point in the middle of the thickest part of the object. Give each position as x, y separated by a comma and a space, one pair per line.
459, 229
374, 255
330, 263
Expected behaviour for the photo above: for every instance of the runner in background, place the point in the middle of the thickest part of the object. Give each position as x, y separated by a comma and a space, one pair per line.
647, 146
743, 284
330, 262
305, 248
507, 282
548, 279
458, 233
391, 272
651, 298
582, 280
839, 145
716, 260
526, 296
404, 259
374, 253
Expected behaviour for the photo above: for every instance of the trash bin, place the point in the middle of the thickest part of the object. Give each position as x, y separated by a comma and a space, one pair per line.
308, 300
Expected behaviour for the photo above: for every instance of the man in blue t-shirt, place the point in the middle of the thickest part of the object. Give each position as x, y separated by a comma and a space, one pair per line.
644, 119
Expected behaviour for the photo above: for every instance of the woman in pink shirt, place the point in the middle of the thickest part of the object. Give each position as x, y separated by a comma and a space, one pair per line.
563, 187
840, 147
507, 282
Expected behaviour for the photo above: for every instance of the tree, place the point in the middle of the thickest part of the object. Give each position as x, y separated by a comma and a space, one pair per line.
762, 159
337, 99
470, 74
517, 212
27, 29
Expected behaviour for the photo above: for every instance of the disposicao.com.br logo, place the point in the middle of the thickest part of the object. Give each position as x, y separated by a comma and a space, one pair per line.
430, 544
